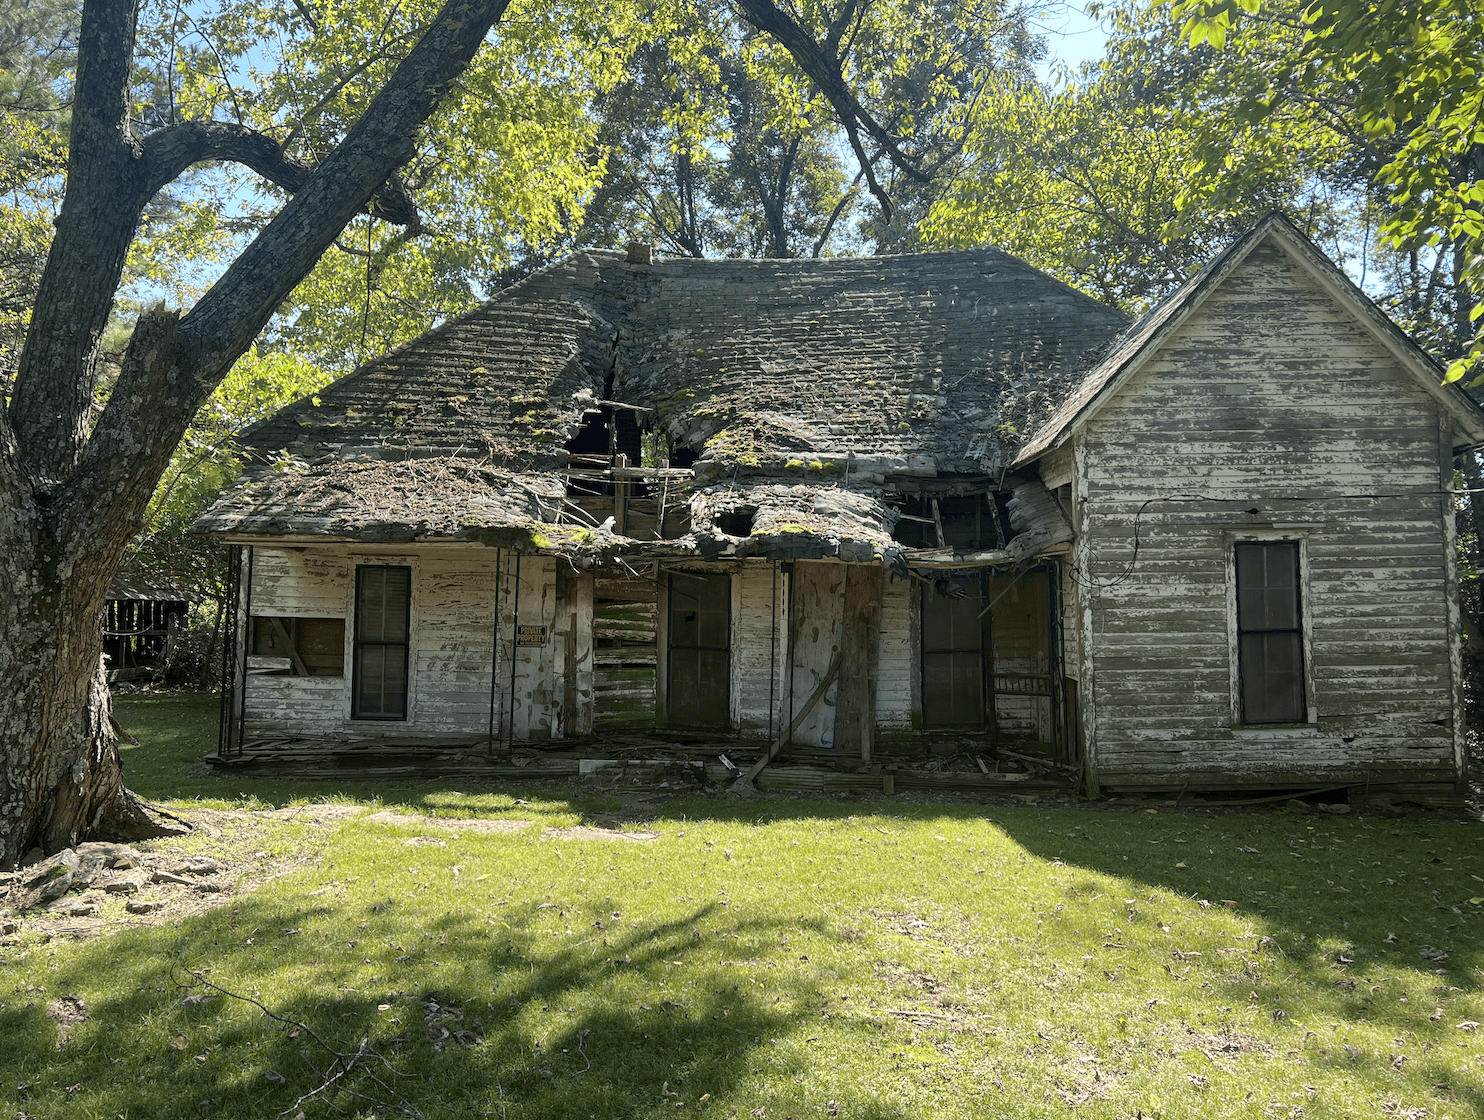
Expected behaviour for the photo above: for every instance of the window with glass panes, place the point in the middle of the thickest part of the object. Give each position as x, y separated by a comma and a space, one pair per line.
1270, 642
383, 610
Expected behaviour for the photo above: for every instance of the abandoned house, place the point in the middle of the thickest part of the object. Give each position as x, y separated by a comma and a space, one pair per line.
853, 508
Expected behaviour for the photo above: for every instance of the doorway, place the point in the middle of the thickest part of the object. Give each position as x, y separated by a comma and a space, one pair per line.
699, 647
956, 646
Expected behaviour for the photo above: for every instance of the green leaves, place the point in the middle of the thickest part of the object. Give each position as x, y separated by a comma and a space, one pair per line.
1092, 184
1403, 79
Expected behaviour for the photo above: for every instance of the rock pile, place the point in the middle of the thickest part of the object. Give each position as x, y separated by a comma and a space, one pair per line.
76, 882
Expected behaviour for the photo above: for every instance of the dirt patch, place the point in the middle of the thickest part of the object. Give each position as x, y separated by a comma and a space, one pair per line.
224, 858
453, 825
314, 814
588, 832
160, 881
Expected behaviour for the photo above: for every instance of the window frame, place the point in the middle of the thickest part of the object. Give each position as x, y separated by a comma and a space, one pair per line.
357, 643
1300, 539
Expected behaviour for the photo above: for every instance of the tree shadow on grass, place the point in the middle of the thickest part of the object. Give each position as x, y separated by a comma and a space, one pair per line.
472, 1015
1324, 924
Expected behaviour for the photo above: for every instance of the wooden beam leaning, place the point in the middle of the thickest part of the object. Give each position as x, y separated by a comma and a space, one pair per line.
809, 705
282, 634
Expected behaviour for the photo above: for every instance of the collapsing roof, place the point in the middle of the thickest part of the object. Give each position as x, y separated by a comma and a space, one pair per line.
787, 405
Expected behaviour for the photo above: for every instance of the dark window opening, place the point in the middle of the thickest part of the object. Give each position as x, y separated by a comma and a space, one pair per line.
383, 615
313, 647
683, 456
737, 522
592, 438
967, 523
1270, 643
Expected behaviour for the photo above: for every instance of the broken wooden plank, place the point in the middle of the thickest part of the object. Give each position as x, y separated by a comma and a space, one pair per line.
819, 691
281, 632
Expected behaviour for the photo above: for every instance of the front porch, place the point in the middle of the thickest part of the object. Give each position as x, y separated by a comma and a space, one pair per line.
924, 762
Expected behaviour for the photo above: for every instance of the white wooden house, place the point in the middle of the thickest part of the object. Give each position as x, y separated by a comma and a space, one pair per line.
859, 506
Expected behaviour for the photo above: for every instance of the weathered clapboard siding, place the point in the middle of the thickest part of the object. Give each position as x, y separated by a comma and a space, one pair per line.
450, 654
759, 645
1071, 633
1268, 398
896, 664
452, 638
305, 583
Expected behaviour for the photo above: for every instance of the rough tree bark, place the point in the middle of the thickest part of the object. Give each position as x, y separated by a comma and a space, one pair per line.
73, 490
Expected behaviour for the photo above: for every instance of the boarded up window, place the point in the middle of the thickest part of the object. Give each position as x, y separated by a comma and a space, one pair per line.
314, 647
383, 614
1270, 644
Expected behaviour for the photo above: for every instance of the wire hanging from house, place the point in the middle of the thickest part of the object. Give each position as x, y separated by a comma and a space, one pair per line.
1099, 585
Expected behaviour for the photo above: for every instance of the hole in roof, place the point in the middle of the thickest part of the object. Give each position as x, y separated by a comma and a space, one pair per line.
969, 522
592, 437
737, 522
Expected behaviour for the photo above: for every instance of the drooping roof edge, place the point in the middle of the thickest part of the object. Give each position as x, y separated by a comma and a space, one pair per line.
1145, 337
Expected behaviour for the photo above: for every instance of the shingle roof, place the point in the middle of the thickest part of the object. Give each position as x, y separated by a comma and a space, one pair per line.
915, 365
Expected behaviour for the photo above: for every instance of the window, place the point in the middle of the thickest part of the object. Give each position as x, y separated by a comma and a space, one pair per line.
1270, 642
383, 607
313, 647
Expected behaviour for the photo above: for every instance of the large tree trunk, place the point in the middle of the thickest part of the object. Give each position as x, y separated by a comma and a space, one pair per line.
73, 490
61, 778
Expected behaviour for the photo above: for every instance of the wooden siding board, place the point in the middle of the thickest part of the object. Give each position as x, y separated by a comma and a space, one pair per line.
895, 664
453, 595
759, 644
860, 648
1267, 399
819, 590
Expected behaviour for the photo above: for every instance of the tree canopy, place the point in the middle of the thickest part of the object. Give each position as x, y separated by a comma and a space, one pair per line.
1406, 77
1101, 183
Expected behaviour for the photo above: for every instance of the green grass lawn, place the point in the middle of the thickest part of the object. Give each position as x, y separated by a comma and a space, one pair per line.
775, 958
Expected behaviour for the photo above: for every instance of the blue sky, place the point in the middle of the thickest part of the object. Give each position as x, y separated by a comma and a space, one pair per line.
1072, 37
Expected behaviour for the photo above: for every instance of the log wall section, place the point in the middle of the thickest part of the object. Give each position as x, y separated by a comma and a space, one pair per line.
1270, 400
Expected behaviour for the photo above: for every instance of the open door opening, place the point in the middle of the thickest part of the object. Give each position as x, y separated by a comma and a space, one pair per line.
957, 647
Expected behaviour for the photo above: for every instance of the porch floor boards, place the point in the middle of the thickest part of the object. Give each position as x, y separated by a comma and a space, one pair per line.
636, 760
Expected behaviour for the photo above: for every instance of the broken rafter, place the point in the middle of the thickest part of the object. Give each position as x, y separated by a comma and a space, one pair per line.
630, 474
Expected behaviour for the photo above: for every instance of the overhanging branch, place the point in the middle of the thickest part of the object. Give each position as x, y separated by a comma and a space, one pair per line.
172, 150
824, 69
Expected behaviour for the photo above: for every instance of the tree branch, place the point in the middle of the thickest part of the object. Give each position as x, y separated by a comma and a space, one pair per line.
823, 68
171, 150
54, 384
168, 374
